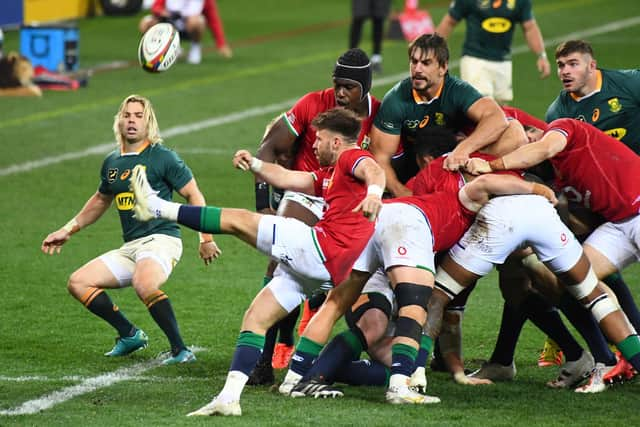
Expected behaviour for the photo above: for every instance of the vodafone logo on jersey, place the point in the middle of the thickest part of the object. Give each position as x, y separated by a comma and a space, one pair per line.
564, 239
402, 251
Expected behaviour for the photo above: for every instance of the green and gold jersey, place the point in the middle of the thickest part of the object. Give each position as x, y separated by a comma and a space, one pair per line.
166, 172
403, 111
614, 107
490, 25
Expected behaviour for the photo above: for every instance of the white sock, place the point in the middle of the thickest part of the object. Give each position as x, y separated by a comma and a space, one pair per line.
398, 380
233, 387
163, 208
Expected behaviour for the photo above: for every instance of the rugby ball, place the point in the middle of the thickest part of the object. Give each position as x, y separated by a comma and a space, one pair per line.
159, 48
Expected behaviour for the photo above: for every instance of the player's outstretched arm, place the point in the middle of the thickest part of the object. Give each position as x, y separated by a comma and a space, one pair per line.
95, 207
274, 174
476, 193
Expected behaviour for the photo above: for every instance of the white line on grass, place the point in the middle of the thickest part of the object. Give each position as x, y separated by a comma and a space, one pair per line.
86, 386
281, 106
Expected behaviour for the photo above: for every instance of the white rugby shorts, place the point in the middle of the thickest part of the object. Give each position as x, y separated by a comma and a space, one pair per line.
508, 223
618, 241
490, 78
402, 238
313, 203
292, 243
165, 250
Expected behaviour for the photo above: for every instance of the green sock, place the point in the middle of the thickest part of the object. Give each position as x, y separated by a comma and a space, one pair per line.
210, 219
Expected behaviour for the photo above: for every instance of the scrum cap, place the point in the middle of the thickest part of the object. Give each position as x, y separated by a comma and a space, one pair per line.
354, 65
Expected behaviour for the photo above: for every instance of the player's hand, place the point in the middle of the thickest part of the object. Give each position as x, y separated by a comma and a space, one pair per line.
370, 206
54, 241
209, 251
477, 166
543, 67
242, 160
456, 160
461, 378
546, 192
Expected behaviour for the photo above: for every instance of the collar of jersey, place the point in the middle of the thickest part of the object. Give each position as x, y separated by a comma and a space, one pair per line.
138, 151
418, 99
596, 90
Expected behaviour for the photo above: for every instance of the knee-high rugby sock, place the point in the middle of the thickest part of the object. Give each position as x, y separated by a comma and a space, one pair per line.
306, 353
341, 350
248, 349
205, 219
403, 358
625, 298
512, 321
99, 303
586, 325
286, 327
363, 372
630, 349
160, 309
423, 352
548, 320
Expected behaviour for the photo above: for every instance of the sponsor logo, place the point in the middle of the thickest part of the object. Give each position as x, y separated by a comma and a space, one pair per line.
496, 25
412, 124
424, 122
112, 174
402, 250
125, 175
124, 201
285, 259
388, 125
596, 115
581, 118
614, 105
564, 239
617, 133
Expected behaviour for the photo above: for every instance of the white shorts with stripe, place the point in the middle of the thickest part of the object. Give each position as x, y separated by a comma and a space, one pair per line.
293, 245
508, 223
313, 203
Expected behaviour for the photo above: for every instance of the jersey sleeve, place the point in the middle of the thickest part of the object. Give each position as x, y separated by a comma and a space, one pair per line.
526, 12
458, 9
463, 95
104, 178
176, 172
632, 83
298, 117
390, 115
564, 126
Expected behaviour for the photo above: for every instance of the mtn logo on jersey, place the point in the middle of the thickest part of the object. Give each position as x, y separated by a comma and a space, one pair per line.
124, 201
496, 25
617, 133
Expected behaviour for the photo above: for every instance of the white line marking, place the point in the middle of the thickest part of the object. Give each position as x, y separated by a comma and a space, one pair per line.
86, 386
281, 106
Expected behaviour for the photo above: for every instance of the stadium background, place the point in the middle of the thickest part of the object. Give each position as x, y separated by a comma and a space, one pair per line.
52, 149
